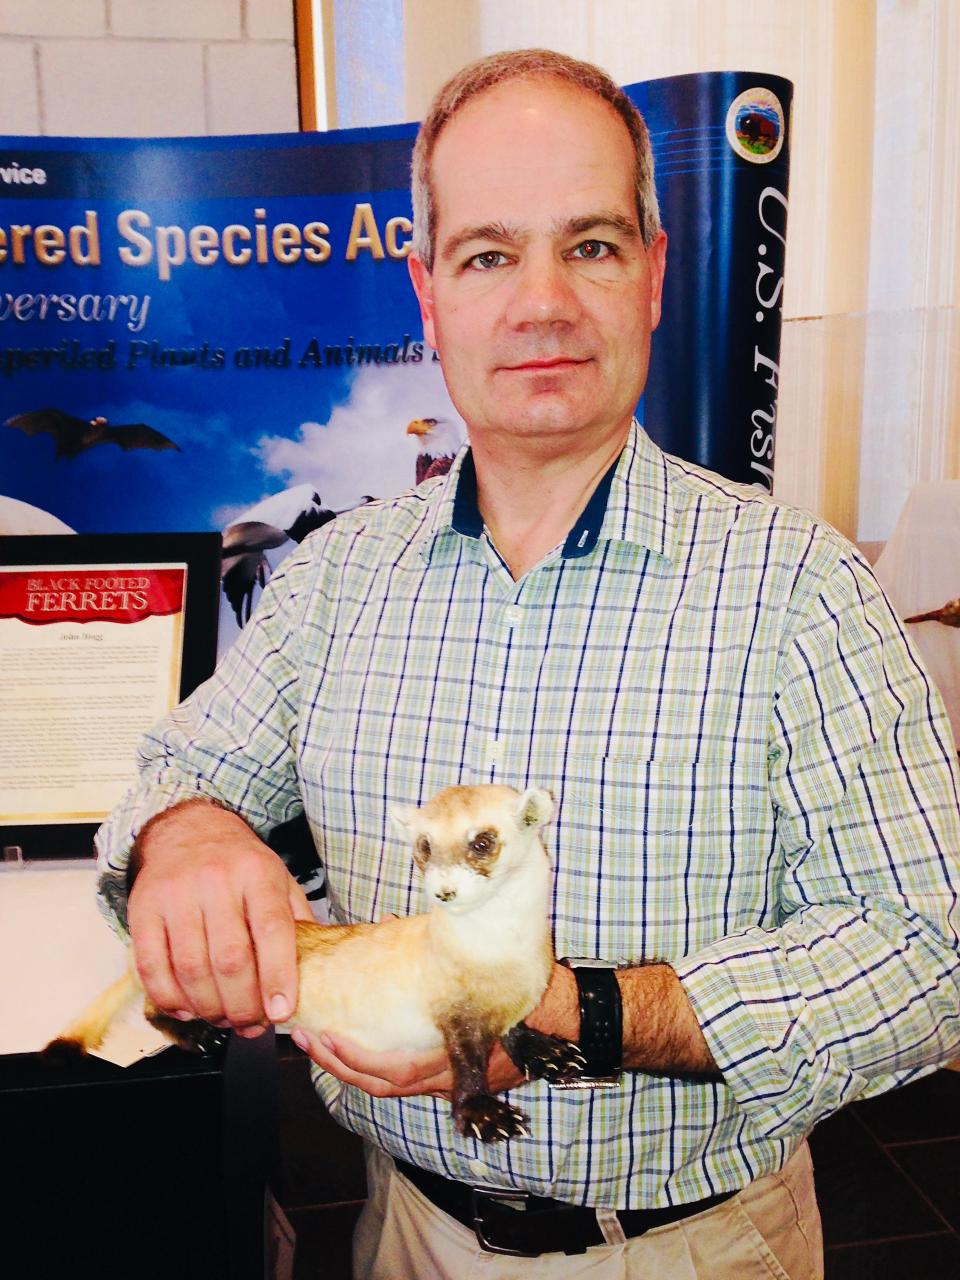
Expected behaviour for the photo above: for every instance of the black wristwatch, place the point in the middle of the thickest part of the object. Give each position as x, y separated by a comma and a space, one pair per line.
601, 1023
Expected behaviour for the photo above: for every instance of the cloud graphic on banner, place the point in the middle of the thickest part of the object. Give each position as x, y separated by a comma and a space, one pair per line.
363, 448
23, 517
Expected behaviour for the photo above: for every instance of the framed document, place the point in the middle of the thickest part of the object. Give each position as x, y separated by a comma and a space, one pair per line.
100, 635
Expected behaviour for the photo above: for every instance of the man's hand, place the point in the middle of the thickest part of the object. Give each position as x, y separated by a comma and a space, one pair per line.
390, 1074
211, 917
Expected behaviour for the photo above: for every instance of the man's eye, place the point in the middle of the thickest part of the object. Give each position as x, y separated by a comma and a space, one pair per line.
486, 260
593, 250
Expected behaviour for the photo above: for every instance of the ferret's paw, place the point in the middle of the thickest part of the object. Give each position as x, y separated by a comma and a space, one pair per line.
206, 1038
554, 1060
195, 1037
541, 1056
489, 1120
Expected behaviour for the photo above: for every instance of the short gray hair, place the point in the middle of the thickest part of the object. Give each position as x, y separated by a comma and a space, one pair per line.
524, 64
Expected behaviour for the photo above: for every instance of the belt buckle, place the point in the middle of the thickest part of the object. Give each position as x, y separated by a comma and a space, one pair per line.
479, 1227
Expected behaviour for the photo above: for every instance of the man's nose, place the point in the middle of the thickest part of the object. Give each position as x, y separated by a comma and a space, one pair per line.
543, 292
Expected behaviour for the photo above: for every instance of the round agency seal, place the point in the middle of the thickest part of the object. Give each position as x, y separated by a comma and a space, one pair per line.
755, 125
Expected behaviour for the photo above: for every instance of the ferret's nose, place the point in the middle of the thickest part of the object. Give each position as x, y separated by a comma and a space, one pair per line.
446, 894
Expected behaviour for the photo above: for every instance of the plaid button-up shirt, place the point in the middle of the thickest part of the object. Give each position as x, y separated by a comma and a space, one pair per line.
754, 782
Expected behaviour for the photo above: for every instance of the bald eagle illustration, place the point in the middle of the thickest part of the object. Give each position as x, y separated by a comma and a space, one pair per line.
438, 441
75, 435
283, 517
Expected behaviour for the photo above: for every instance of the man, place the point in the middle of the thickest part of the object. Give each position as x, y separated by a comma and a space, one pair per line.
757, 806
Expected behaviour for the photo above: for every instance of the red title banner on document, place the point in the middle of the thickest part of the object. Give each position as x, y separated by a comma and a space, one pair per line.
97, 594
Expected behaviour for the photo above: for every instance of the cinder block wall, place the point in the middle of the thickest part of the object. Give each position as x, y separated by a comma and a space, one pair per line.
147, 68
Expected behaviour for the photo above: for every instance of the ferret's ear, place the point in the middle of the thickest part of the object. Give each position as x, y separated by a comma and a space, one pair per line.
402, 815
535, 808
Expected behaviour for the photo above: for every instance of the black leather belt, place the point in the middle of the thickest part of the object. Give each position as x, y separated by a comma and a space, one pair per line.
524, 1225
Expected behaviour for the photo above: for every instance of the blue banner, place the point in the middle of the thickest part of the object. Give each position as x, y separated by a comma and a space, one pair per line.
720, 141
219, 333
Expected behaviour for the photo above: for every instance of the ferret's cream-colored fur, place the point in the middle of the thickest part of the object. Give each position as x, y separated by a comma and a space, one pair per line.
483, 947
481, 953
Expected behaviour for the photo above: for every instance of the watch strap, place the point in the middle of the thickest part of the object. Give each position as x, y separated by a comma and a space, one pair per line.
601, 1020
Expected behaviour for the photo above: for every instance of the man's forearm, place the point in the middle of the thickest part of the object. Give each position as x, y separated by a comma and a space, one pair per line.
660, 1029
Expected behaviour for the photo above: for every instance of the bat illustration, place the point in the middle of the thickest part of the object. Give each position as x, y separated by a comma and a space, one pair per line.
75, 435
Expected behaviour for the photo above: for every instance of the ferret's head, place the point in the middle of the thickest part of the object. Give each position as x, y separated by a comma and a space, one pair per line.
467, 839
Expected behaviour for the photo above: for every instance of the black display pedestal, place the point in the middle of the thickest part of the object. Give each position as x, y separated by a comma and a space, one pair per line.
159, 1169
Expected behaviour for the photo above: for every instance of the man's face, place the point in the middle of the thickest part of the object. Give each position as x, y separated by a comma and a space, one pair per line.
542, 297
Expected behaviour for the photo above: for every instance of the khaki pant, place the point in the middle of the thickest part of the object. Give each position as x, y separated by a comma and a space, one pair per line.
772, 1228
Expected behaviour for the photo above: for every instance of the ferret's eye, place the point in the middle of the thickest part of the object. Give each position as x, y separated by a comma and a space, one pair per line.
484, 843
423, 847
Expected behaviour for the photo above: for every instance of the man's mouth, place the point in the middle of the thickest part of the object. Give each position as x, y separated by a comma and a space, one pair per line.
546, 364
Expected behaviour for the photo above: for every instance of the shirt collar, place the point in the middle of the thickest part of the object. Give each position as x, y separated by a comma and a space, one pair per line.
631, 503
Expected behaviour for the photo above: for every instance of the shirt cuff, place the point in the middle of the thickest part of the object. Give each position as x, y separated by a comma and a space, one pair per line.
761, 1032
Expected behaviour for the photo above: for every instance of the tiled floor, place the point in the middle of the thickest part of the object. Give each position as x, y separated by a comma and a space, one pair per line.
888, 1181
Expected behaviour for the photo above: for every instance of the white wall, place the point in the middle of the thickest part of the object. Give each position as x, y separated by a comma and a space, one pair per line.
147, 68
912, 357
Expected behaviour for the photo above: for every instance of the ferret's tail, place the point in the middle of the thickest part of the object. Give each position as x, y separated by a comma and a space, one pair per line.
89, 1030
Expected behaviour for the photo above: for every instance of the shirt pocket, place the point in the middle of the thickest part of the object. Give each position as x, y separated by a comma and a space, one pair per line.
659, 857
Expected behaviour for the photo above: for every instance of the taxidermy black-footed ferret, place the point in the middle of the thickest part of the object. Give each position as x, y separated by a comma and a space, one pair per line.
462, 975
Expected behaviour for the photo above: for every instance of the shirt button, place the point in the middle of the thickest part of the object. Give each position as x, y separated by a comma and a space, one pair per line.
494, 749
513, 614
478, 1168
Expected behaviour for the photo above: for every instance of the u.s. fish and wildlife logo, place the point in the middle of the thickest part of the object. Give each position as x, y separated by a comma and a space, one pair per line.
755, 125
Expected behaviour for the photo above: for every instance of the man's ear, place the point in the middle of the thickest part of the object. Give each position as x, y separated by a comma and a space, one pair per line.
657, 260
422, 282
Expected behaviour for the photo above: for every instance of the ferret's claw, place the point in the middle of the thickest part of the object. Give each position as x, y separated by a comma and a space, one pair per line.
209, 1039
488, 1119
542, 1056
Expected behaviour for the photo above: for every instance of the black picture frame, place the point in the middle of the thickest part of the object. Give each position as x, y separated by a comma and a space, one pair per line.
201, 554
